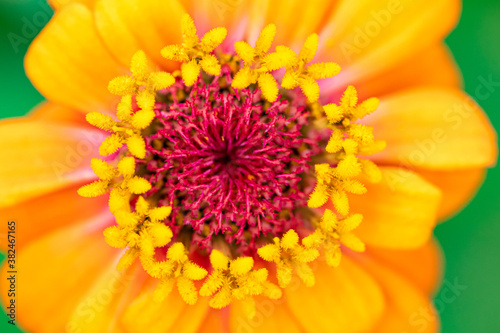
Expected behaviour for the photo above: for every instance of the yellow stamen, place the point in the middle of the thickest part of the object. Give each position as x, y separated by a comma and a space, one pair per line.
330, 233
176, 269
258, 63
141, 231
289, 255
236, 279
195, 53
126, 182
298, 75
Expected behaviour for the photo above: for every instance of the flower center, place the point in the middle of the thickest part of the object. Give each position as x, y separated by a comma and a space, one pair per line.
219, 163
228, 162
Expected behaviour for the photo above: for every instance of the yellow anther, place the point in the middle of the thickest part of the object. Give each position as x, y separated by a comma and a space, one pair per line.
190, 72
142, 79
212, 39
331, 232
210, 65
283, 57
102, 169
136, 146
111, 145
102, 121
138, 185
124, 109
143, 84
142, 118
349, 167
122, 85
119, 200
310, 88
189, 33
309, 49
194, 53
258, 63
265, 40
298, 74
269, 87
349, 108
139, 66
241, 266
176, 269
121, 178
126, 166
160, 213
245, 51
94, 189
236, 279
331, 185
141, 232
177, 252
289, 255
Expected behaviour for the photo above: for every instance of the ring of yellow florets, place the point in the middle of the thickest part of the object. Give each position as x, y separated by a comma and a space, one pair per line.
141, 230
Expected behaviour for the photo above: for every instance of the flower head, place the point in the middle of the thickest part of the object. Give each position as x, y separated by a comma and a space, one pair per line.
243, 167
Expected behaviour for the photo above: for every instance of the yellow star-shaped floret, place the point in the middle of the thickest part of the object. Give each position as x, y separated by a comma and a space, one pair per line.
120, 180
298, 74
289, 255
176, 269
196, 54
258, 63
140, 232
143, 84
331, 232
330, 184
236, 279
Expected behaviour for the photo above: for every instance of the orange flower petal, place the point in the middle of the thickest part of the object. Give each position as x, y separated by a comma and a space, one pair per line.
458, 187
408, 308
422, 266
43, 157
105, 300
55, 273
44, 214
298, 19
56, 4
171, 315
367, 37
214, 322
127, 26
434, 129
400, 212
434, 66
69, 64
56, 113
345, 299
271, 316
245, 19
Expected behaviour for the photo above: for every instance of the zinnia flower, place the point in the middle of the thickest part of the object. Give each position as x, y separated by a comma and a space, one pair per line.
271, 166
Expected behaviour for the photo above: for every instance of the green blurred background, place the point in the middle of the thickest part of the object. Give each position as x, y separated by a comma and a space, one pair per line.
471, 240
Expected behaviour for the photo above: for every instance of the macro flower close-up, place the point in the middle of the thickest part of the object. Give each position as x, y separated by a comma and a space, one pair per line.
237, 166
